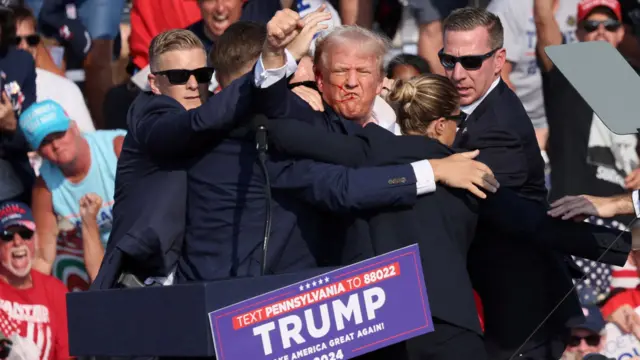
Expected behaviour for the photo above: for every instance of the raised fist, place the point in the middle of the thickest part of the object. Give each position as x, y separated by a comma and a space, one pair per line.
90, 205
282, 29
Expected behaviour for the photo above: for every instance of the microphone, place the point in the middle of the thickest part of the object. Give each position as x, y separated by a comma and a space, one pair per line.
259, 124
5, 346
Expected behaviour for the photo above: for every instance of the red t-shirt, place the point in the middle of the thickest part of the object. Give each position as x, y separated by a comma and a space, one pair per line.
151, 17
38, 313
627, 297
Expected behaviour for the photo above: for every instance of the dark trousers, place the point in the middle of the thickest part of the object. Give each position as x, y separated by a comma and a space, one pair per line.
447, 342
542, 346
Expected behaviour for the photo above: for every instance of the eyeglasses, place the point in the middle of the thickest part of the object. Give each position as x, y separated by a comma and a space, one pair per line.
7, 235
592, 340
181, 76
593, 25
469, 62
32, 40
459, 119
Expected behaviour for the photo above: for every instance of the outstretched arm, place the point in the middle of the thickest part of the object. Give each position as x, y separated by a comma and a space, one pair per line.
340, 189
168, 129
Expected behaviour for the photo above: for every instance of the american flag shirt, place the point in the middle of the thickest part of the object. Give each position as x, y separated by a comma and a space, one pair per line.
601, 278
38, 313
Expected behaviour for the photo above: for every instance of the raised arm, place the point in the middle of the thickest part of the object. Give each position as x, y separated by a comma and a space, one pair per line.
93, 250
168, 129
547, 30
46, 227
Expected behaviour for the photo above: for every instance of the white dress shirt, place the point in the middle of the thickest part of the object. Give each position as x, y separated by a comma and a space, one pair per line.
636, 206
425, 178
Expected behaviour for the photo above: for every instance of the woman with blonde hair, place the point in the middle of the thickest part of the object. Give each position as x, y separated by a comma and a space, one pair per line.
443, 223
427, 105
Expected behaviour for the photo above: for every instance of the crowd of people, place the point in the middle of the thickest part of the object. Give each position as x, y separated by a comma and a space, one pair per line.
476, 147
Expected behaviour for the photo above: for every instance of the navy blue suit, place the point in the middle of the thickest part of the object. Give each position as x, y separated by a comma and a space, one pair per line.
519, 283
151, 180
226, 205
450, 227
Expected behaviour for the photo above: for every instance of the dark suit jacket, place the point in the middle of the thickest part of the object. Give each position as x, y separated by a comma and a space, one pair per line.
444, 233
524, 219
150, 192
226, 204
519, 283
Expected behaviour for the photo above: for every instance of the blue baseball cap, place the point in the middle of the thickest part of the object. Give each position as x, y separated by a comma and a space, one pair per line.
592, 320
13, 213
41, 119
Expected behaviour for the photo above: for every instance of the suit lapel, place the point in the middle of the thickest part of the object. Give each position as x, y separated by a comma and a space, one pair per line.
476, 115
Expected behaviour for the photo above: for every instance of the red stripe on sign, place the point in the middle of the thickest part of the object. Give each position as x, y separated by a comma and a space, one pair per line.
313, 296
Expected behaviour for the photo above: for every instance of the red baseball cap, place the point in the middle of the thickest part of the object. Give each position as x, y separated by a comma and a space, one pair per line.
585, 7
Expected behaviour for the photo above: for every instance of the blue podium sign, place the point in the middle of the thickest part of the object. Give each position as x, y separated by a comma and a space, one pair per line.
339, 315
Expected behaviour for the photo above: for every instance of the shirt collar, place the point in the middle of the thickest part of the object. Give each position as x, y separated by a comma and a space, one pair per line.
468, 109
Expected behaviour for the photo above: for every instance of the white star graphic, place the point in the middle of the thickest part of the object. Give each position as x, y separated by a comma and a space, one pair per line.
308, 286
315, 283
320, 281
301, 287
326, 279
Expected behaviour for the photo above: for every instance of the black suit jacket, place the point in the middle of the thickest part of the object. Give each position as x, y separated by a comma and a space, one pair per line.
519, 283
444, 233
148, 220
524, 219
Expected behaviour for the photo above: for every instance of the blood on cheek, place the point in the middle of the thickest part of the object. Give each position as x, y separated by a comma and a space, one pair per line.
346, 95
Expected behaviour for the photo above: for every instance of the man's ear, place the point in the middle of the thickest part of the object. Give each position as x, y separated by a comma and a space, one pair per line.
501, 59
153, 84
318, 76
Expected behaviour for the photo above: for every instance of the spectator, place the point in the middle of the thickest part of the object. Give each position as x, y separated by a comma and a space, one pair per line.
630, 45
151, 17
49, 85
585, 156
521, 70
620, 308
18, 88
428, 14
74, 164
587, 334
33, 311
406, 66
97, 20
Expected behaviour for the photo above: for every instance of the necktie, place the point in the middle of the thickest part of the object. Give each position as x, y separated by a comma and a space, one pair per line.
461, 127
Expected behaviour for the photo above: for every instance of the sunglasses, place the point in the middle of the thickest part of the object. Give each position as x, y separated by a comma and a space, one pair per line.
7, 235
592, 340
32, 40
457, 118
593, 25
469, 62
181, 76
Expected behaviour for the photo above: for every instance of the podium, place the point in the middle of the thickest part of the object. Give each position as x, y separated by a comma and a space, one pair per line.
162, 321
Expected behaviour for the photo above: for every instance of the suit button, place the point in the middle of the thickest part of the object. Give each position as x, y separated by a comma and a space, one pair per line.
396, 181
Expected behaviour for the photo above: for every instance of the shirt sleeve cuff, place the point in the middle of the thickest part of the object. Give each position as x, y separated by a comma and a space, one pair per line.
425, 179
636, 206
265, 78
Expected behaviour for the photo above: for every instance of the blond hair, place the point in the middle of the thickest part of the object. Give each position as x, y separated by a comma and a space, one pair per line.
421, 100
172, 40
354, 36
